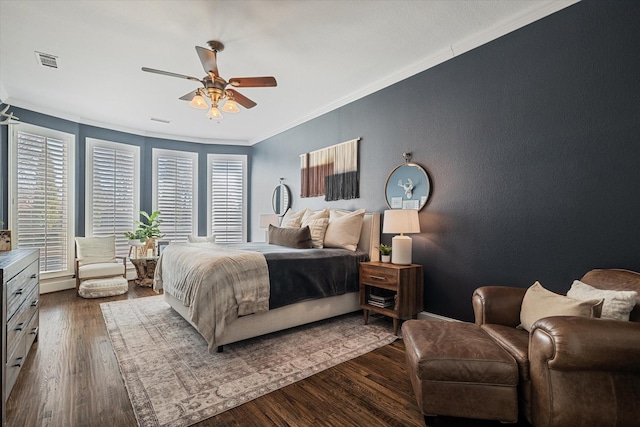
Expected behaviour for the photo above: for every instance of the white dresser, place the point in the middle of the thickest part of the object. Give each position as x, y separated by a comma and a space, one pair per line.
19, 273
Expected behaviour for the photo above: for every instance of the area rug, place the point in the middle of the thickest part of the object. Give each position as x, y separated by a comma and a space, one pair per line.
173, 381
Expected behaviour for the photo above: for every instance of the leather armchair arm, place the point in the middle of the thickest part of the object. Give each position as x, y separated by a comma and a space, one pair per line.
498, 305
585, 344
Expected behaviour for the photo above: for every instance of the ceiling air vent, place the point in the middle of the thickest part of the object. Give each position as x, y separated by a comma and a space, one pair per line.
46, 60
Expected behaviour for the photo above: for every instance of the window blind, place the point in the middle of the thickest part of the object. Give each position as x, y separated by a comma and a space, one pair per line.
175, 193
228, 197
42, 199
111, 191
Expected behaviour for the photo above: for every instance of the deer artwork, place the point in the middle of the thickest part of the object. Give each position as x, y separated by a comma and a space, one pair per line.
408, 187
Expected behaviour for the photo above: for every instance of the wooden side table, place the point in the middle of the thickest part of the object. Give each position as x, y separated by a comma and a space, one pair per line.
393, 290
145, 270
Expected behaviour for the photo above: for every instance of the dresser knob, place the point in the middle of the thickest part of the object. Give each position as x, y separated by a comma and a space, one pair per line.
378, 277
34, 331
34, 303
19, 291
19, 326
34, 276
19, 364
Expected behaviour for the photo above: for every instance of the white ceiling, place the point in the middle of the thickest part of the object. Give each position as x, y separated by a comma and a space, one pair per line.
323, 54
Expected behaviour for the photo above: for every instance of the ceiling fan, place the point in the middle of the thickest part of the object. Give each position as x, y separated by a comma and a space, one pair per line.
214, 87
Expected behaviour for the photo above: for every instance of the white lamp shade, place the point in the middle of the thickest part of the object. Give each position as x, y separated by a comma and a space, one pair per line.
269, 219
401, 221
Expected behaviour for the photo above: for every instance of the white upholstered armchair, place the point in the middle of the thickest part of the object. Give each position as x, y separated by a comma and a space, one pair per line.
96, 259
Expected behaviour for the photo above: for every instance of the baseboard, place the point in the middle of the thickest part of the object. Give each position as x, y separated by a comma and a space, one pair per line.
424, 315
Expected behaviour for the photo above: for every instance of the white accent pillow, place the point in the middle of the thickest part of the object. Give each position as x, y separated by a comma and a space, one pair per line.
617, 304
539, 303
292, 219
317, 227
344, 229
201, 239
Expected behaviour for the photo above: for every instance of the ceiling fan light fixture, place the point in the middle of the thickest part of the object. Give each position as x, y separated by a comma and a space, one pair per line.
214, 114
230, 106
198, 102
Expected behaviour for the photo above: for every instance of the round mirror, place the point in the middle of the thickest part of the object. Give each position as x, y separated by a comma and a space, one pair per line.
281, 200
407, 187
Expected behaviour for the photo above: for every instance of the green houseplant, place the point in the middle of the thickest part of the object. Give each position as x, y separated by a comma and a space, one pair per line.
385, 252
146, 232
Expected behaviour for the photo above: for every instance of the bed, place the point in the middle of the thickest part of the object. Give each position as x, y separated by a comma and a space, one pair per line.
304, 307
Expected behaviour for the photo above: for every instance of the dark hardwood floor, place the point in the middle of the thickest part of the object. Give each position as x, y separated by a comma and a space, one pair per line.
71, 378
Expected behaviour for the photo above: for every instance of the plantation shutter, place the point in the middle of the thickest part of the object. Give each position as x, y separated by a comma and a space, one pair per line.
43, 203
175, 193
111, 191
228, 197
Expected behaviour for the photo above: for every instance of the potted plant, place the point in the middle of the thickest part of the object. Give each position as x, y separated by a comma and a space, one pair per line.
385, 252
5, 238
145, 235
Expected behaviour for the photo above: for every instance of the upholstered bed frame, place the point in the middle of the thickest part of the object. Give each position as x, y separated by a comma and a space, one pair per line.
300, 313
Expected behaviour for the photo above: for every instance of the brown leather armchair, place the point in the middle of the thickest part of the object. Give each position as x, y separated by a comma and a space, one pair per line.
574, 371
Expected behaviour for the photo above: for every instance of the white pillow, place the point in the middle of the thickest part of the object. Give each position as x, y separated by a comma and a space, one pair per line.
344, 229
539, 303
617, 304
292, 219
317, 227
309, 214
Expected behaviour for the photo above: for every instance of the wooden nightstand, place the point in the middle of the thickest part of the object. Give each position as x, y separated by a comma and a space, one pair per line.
393, 290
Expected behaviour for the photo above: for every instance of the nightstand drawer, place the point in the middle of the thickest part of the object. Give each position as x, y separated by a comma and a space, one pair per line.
375, 276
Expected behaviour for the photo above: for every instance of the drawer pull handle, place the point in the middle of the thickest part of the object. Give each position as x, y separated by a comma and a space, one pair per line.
34, 331
378, 277
19, 326
34, 276
19, 364
19, 291
35, 303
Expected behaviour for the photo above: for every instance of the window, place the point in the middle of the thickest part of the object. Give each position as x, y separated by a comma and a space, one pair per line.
41, 191
227, 197
175, 193
112, 190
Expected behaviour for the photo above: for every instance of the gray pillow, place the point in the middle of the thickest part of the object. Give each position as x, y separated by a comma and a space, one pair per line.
298, 238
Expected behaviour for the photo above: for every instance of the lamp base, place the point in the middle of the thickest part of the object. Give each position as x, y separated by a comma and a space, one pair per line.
401, 250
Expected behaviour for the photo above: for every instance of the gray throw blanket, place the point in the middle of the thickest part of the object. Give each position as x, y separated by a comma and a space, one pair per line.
217, 283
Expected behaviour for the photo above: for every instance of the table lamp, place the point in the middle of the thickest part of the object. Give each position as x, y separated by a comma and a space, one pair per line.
266, 220
401, 221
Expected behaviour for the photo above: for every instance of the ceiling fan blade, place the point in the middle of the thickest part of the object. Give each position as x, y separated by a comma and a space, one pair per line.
241, 99
208, 59
253, 82
167, 73
189, 96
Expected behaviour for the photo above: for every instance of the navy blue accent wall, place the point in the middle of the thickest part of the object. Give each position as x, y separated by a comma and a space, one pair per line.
146, 144
533, 145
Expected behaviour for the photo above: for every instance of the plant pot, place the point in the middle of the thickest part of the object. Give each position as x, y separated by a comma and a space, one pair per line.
385, 258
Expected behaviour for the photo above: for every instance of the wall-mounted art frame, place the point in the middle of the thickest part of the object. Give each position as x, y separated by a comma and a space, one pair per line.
408, 187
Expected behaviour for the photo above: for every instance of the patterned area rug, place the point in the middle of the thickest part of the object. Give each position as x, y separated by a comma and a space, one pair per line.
173, 381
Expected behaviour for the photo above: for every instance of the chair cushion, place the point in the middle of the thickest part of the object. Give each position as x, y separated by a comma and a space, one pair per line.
98, 288
515, 341
92, 250
103, 269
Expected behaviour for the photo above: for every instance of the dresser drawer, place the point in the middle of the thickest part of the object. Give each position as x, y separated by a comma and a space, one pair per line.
378, 276
16, 327
33, 302
15, 361
19, 286
32, 331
